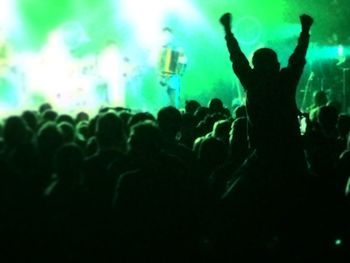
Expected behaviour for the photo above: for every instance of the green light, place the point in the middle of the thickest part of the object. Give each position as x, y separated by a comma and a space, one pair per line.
338, 242
248, 30
340, 51
7, 9
135, 25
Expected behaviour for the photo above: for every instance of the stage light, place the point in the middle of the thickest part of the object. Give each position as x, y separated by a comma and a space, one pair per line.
248, 30
136, 26
7, 13
338, 242
147, 18
327, 52
340, 51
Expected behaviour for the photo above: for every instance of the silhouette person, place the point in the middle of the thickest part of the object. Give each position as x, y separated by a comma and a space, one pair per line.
270, 90
265, 193
172, 66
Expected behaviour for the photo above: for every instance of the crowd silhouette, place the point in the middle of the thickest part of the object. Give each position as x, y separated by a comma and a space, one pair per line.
206, 183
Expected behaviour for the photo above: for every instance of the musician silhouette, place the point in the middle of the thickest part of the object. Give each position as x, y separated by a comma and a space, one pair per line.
10, 86
110, 67
172, 66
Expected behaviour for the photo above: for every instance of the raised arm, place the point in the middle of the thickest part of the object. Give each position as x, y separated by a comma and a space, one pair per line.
240, 63
297, 59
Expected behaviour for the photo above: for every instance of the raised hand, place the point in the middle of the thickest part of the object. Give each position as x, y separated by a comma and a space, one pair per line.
306, 22
226, 21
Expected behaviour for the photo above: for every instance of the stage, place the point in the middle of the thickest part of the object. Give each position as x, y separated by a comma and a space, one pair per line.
84, 54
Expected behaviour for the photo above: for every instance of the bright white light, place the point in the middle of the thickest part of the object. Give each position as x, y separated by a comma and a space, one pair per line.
147, 18
340, 51
7, 15
51, 72
110, 68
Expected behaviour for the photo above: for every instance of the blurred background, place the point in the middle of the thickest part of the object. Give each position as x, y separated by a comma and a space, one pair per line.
52, 45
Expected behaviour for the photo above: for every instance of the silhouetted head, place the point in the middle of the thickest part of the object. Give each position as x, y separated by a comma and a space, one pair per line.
167, 36
68, 132
240, 112
145, 139
328, 117
215, 106
82, 130
221, 130
67, 162
320, 98
31, 119
15, 131
238, 133
82, 116
44, 107
65, 118
212, 152
206, 126
140, 117
49, 139
265, 60
169, 120
191, 106
49, 115
110, 130
201, 113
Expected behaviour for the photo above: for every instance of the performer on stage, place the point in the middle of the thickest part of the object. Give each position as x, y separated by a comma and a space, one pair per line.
110, 68
9, 79
172, 66
55, 69
5, 52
